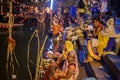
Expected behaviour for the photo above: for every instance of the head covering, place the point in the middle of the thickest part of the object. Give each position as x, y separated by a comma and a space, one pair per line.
110, 22
69, 45
72, 53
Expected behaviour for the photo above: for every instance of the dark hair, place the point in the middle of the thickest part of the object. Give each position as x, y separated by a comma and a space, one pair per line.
97, 19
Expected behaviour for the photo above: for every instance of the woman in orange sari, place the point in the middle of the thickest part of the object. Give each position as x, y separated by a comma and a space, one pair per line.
56, 26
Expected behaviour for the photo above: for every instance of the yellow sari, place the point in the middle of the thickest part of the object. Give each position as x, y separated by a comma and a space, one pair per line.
70, 48
103, 41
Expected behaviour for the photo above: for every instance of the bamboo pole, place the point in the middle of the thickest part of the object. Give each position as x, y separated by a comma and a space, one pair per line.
39, 59
11, 20
9, 52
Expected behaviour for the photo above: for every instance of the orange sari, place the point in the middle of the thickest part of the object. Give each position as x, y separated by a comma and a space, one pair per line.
56, 29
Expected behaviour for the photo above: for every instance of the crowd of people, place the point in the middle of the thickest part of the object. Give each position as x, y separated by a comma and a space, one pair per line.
70, 24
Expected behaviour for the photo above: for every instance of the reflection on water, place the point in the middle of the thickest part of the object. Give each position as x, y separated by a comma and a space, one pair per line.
21, 50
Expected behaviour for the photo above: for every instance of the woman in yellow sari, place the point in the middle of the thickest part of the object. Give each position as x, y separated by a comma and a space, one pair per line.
70, 65
106, 42
66, 66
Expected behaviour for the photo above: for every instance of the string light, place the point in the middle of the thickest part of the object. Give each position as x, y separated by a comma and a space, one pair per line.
26, 10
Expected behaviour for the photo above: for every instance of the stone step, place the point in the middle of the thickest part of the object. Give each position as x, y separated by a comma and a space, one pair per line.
82, 73
89, 78
98, 71
113, 64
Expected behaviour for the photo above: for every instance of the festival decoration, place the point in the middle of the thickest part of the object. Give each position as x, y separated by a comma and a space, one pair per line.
11, 46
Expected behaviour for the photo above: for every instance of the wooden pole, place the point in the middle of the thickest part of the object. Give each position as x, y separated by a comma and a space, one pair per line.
11, 20
9, 52
39, 59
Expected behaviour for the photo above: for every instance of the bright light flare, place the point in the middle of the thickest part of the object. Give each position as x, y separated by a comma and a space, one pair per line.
51, 6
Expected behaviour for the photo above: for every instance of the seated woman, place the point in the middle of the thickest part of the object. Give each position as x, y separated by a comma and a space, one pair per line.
106, 42
98, 27
107, 37
95, 29
56, 26
71, 71
61, 65
67, 47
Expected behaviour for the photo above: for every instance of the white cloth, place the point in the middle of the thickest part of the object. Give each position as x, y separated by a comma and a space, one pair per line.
90, 27
94, 42
109, 31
